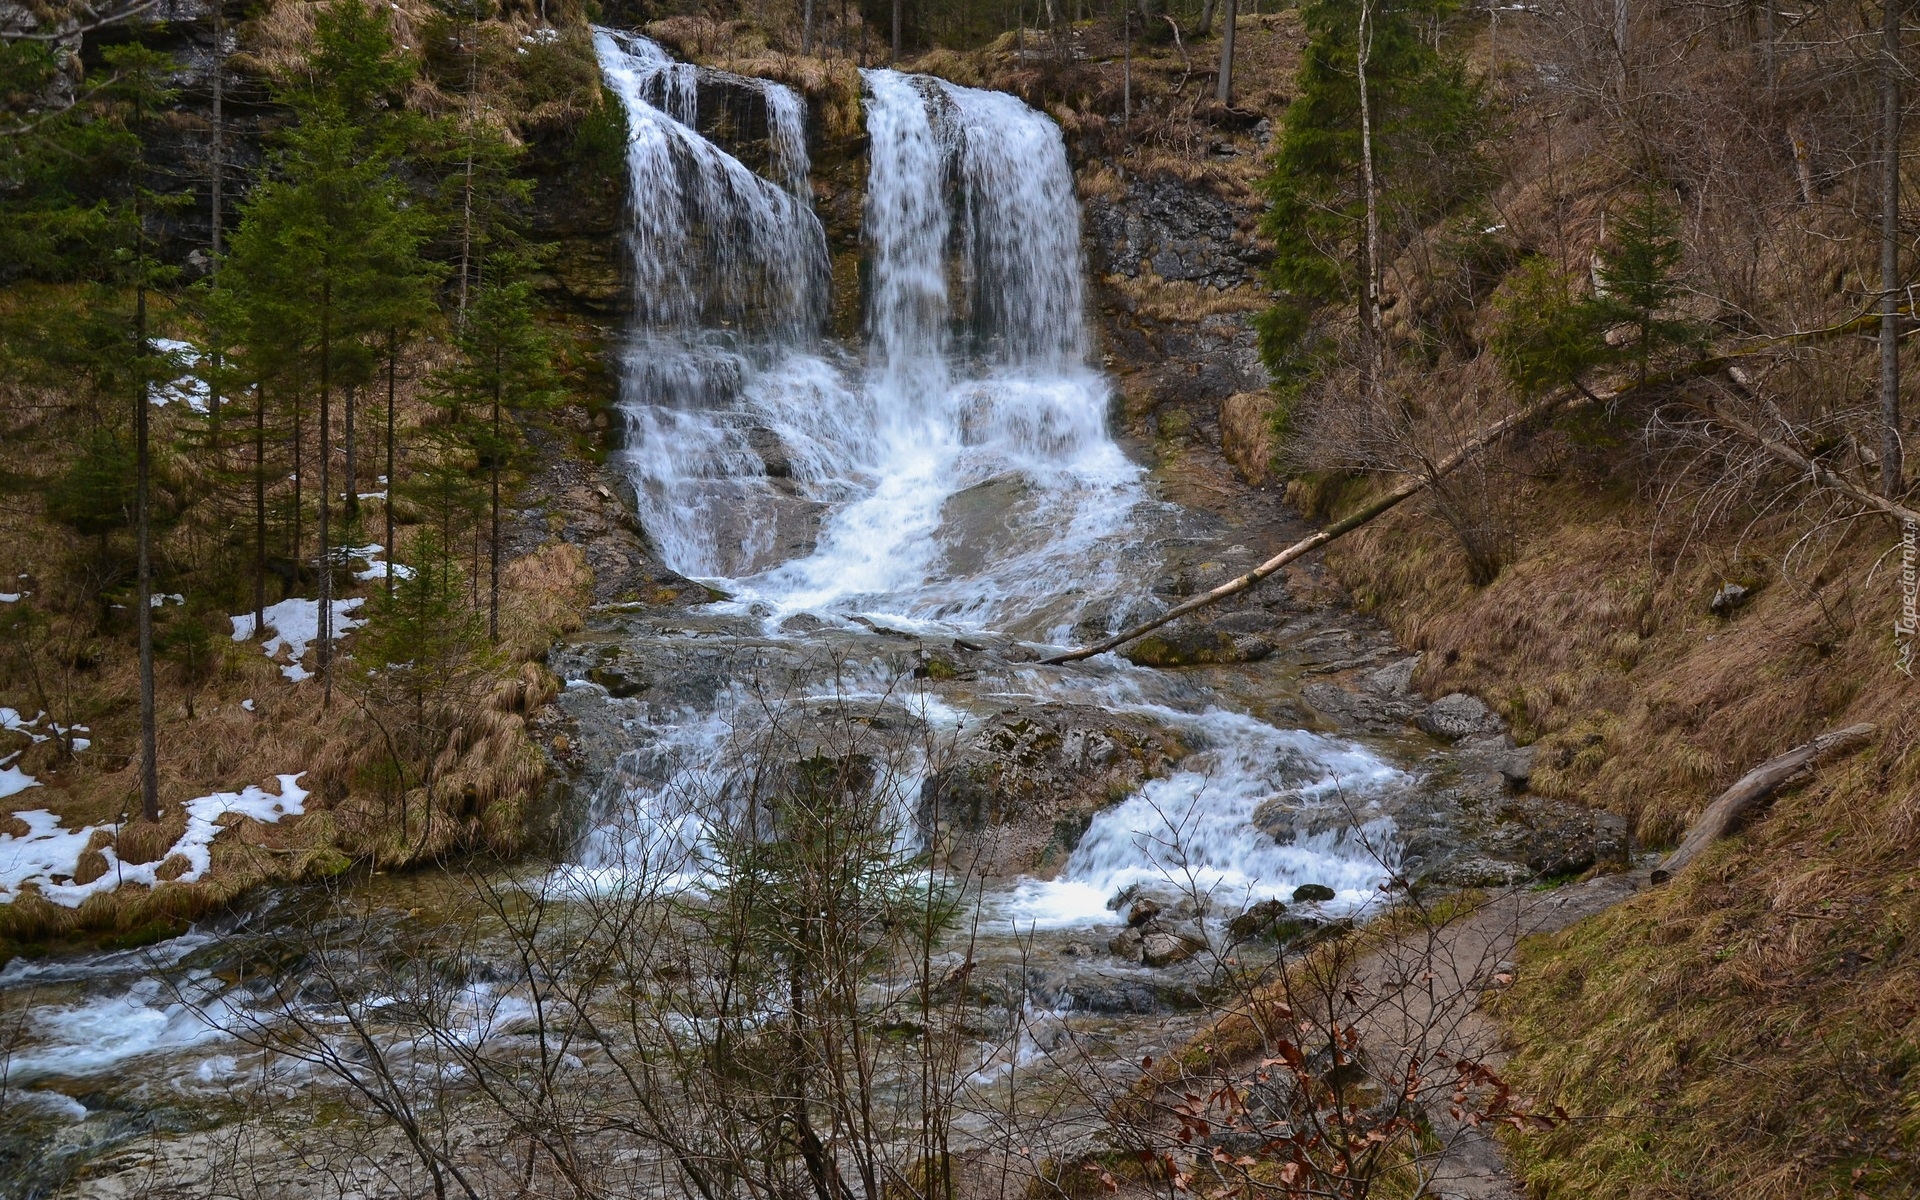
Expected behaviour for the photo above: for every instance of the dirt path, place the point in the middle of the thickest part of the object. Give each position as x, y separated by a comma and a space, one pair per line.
1426, 987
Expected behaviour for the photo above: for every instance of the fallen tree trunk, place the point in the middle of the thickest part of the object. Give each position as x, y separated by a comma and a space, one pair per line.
1727, 813
1570, 397
1822, 475
1411, 486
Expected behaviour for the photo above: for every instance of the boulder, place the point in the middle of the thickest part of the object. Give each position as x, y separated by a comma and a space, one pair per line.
1127, 944
1257, 920
1162, 948
1191, 646
1456, 716
1142, 912
1313, 893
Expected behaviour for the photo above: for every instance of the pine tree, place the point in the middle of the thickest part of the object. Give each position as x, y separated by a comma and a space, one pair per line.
503, 375
1424, 116
327, 254
1638, 286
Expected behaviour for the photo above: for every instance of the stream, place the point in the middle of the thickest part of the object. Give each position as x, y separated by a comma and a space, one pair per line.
901, 527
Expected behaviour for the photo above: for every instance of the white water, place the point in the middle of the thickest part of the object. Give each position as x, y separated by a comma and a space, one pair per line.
957, 476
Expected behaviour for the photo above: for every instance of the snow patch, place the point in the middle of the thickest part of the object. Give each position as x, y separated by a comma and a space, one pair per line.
188, 389
296, 624
48, 856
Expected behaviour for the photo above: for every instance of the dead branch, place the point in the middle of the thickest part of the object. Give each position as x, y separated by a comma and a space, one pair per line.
1498, 431
1727, 813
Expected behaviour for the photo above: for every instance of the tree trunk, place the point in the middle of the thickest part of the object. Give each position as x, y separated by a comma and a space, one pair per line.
350, 505
216, 151
1371, 334
143, 407
806, 27
895, 57
1733, 806
1205, 26
259, 506
393, 355
324, 560
1223, 85
1620, 33
493, 531
1409, 487
299, 437
1126, 63
1891, 473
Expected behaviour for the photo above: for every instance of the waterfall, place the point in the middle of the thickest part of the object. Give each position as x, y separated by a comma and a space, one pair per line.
710, 241
954, 475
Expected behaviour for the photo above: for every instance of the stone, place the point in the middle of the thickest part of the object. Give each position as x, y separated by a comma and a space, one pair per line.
1516, 767
1312, 893
1191, 646
1163, 949
1257, 920
1456, 716
1127, 944
1143, 911
1394, 679
1730, 597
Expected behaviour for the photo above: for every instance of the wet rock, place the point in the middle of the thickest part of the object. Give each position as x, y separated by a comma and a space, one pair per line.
619, 684
1456, 716
1127, 944
772, 452
1189, 646
1142, 912
1357, 710
1162, 948
802, 623
1257, 920
1312, 893
1018, 788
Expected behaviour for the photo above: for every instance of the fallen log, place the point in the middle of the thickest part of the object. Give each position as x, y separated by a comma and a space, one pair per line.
1731, 809
1566, 398
1411, 486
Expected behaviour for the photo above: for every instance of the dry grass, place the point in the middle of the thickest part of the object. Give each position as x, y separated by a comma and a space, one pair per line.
1148, 295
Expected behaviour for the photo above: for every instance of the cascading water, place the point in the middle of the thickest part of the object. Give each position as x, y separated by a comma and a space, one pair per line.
957, 478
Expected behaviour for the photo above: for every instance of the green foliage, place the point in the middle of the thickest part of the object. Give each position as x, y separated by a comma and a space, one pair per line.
75, 184
1637, 266
1548, 337
424, 639
1427, 116
94, 496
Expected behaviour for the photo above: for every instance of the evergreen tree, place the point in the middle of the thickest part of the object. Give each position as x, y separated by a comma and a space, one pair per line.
1424, 117
504, 374
326, 259
1638, 287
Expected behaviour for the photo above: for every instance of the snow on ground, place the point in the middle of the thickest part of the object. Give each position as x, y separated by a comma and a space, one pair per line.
376, 567
296, 624
188, 389
13, 780
47, 856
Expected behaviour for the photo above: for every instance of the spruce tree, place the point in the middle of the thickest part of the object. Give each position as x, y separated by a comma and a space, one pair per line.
1424, 117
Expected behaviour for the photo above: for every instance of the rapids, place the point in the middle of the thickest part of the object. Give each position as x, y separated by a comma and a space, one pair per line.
952, 477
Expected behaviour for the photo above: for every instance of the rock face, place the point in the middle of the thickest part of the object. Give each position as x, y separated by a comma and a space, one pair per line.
1174, 230
1019, 789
